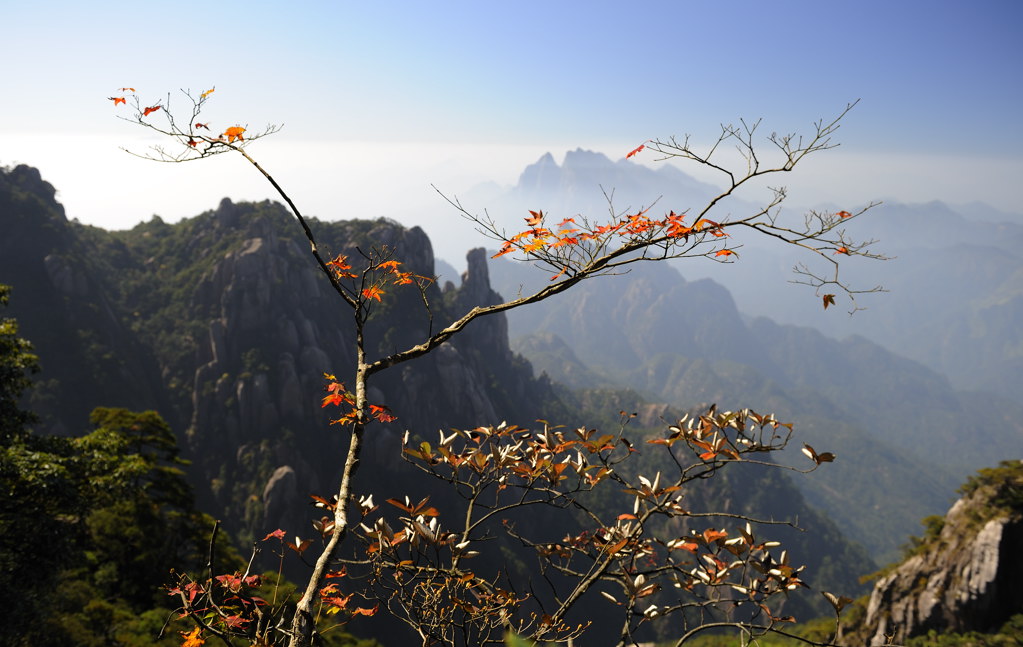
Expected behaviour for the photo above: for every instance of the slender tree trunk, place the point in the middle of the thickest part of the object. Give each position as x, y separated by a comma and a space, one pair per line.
303, 624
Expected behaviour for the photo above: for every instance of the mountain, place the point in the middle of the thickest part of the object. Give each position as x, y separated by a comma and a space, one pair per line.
954, 300
954, 278
223, 323
902, 432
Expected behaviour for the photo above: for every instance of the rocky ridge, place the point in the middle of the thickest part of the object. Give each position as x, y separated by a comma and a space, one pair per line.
965, 577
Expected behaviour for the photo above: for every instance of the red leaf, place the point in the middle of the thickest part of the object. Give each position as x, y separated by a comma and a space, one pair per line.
635, 150
276, 534
116, 100
382, 413
199, 125
842, 250
372, 292
829, 300
725, 252
844, 214
150, 110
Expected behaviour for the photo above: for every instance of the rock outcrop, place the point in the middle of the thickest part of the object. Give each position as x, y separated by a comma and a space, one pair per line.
965, 577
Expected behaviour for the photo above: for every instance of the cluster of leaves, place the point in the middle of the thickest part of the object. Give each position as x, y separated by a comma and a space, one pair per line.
501, 470
241, 607
339, 396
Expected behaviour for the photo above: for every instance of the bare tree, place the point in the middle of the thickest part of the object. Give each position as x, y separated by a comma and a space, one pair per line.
419, 572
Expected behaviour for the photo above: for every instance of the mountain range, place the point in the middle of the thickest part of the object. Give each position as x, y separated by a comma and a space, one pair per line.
222, 323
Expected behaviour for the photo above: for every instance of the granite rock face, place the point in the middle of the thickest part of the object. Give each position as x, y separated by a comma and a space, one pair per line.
967, 578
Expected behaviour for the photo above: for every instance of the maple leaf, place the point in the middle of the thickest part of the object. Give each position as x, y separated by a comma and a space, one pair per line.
844, 214
207, 93
372, 292
233, 133
150, 110
535, 219
199, 125
276, 534
191, 142
192, 639
116, 100
725, 252
635, 150
507, 248
842, 250
829, 300
127, 89
382, 413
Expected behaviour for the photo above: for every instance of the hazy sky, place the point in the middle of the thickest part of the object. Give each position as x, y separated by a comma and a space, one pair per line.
381, 100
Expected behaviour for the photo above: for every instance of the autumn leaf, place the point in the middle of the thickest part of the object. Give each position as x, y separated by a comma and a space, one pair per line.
127, 89
829, 300
842, 250
233, 133
373, 292
844, 214
536, 217
192, 639
635, 150
382, 413
276, 534
192, 142
823, 457
199, 125
150, 110
116, 100
726, 252
207, 93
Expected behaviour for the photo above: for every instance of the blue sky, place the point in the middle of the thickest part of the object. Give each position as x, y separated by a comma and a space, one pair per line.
379, 100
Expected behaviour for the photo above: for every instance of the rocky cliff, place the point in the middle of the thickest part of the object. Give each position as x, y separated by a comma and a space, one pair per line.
964, 575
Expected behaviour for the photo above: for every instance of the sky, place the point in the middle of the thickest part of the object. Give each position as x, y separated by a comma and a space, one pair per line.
382, 101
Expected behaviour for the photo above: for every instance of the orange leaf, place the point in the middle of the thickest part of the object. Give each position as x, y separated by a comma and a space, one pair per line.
207, 93
507, 248
150, 110
829, 300
128, 89
842, 250
725, 252
535, 219
199, 125
372, 292
844, 214
233, 133
116, 100
635, 150
192, 639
